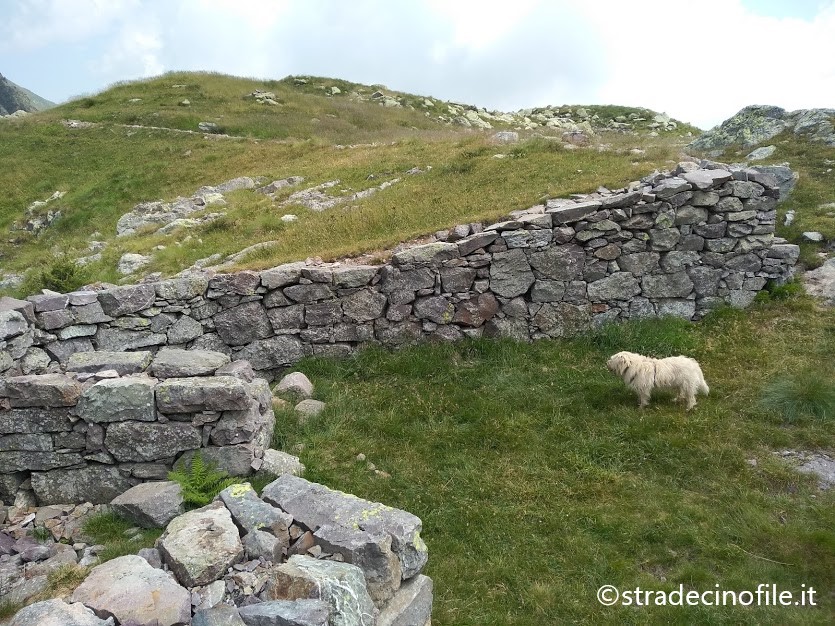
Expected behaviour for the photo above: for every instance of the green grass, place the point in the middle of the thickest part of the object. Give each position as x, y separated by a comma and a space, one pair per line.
538, 479
109, 529
809, 393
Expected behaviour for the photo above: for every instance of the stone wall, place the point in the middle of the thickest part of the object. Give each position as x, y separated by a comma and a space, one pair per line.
117, 419
678, 243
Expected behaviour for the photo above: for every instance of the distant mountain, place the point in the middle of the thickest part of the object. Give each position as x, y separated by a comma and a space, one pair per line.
15, 98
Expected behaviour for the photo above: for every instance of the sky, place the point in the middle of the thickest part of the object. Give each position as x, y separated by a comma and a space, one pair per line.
698, 61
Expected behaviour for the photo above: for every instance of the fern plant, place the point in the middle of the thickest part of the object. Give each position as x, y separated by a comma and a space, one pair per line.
200, 481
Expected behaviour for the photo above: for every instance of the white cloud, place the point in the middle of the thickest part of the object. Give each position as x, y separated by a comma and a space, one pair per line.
700, 62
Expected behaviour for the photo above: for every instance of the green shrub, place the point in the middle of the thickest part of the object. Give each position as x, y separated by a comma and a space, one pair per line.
807, 394
200, 481
787, 291
62, 275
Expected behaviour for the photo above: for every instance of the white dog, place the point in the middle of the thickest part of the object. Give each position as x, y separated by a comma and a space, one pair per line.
643, 375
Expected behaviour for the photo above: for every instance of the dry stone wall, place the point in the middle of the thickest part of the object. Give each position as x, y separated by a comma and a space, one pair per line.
84, 436
677, 243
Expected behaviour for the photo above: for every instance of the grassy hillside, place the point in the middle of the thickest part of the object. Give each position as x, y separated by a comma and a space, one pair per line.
108, 168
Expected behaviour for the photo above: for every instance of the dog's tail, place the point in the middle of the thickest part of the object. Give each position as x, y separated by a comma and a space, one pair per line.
703, 387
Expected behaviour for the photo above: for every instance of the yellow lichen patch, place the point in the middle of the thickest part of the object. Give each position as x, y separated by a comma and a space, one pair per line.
239, 490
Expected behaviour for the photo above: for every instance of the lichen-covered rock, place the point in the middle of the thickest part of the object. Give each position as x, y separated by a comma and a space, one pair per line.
125, 363
199, 545
340, 585
187, 395
290, 613
150, 441
117, 400
174, 363
315, 505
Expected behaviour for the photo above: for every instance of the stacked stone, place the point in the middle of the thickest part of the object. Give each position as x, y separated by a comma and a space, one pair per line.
300, 554
679, 243
116, 419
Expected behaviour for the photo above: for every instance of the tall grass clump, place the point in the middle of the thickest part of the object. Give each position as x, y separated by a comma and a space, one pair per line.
809, 393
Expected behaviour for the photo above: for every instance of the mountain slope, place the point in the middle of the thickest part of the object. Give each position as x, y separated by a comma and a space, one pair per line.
15, 98
142, 141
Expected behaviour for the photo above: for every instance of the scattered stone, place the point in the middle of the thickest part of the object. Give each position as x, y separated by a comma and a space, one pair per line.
151, 504
309, 408
277, 463
294, 387
56, 612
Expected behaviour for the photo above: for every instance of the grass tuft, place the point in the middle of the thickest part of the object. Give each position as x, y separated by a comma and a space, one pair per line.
810, 393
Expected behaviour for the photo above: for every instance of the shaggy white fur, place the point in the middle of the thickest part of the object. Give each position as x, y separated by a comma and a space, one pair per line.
643, 374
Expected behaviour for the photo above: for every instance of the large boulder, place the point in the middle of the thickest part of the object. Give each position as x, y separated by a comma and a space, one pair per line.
200, 545
128, 589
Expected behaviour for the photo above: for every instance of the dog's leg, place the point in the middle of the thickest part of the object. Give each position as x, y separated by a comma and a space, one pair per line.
643, 399
691, 401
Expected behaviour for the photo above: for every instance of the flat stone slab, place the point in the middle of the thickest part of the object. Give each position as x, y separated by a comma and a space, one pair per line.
287, 613
130, 590
199, 545
315, 505
44, 390
174, 363
189, 395
152, 504
117, 400
250, 512
125, 363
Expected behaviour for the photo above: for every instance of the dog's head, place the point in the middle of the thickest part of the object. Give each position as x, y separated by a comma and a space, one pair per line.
620, 362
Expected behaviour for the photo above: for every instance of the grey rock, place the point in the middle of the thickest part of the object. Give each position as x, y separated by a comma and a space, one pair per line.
287, 317
119, 301
457, 279
562, 319
150, 441
639, 263
290, 613
35, 420
617, 286
282, 275
151, 504
183, 288
352, 276
394, 279
308, 293
676, 308
476, 241
237, 369
263, 545
117, 400
114, 339
243, 283
821, 282
294, 386
704, 180
315, 505
559, 263
370, 551
151, 555
41, 390
762, 152
364, 306
568, 214
430, 254
340, 585
309, 408
676, 285
56, 612
125, 363
276, 462
250, 513
90, 314
664, 238
128, 589
12, 324
688, 214
48, 301
199, 545
272, 353
323, 313
437, 309
98, 484
220, 615
187, 395
235, 460
243, 324
174, 363
184, 330
411, 605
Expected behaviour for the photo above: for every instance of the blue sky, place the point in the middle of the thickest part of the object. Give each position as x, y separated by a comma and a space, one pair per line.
697, 61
